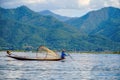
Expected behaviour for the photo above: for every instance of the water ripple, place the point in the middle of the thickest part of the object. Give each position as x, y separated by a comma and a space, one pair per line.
83, 67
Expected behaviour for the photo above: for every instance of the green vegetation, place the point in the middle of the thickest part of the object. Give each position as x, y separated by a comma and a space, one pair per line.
117, 52
23, 29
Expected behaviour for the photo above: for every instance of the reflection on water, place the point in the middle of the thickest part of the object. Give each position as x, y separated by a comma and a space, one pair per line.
83, 67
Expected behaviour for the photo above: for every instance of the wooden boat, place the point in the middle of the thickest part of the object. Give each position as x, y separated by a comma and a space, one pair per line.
55, 57
33, 59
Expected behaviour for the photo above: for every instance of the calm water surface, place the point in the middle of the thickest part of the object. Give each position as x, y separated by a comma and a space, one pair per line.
81, 67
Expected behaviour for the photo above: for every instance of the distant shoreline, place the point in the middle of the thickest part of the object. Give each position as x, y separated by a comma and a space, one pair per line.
71, 52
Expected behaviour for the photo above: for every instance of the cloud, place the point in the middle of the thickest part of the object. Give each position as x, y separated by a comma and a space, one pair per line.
83, 2
104, 3
115, 3
33, 1
16, 3
58, 4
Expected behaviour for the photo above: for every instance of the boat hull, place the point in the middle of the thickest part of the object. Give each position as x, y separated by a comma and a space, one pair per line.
32, 59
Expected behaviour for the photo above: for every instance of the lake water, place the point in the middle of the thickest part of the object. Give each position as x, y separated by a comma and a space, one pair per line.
81, 67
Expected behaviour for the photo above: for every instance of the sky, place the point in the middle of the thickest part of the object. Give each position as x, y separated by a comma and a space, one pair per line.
71, 8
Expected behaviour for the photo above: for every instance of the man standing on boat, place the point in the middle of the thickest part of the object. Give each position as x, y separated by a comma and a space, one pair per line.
63, 54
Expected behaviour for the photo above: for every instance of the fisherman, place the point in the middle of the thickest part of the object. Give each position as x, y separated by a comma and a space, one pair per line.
63, 54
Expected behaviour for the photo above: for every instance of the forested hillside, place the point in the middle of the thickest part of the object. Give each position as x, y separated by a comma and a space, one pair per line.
24, 29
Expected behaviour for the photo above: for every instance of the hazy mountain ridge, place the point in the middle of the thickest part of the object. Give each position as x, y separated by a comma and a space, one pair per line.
49, 13
29, 28
105, 21
93, 19
23, 28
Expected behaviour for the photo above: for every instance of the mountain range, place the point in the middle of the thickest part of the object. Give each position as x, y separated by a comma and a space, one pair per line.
24, 29
105, 21
59, 17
